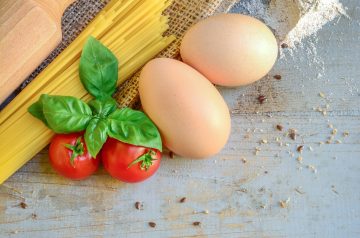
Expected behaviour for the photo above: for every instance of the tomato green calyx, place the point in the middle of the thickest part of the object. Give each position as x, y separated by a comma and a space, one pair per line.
145, 159
77, 149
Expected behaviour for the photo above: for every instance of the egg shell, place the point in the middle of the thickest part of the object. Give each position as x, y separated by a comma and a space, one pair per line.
192, 116
230, 49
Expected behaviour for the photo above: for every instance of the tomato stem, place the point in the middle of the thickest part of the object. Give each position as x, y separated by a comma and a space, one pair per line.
77, 150
145, 159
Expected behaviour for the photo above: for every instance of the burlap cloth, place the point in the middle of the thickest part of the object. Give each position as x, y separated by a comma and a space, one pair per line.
183, 14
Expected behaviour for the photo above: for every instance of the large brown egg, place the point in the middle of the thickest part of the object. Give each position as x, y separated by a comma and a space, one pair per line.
230, 49
192, 116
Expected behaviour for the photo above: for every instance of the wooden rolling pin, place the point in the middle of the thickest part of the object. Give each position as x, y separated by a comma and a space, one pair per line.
29, 31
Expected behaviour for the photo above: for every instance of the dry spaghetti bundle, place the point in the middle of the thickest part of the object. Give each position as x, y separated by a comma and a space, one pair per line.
132, 29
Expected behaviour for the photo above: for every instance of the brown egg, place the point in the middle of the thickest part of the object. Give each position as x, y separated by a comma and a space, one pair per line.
192, 117
230, 49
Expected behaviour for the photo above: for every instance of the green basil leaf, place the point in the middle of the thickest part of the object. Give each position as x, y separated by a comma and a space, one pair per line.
98, 69
134, 127
103, 107
96, 135
36, 109
65, 114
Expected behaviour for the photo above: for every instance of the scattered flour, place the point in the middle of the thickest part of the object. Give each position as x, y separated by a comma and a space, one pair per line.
293, 20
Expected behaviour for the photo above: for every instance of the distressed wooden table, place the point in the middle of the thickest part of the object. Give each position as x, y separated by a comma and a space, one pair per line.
258, 186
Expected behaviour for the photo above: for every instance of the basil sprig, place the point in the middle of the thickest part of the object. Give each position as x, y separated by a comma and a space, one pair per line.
96, 135
62, 114
36, 109
133, 127
103, 107
100, 118
98, 69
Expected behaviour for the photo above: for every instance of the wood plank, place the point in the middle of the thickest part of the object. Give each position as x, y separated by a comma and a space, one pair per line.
236, 193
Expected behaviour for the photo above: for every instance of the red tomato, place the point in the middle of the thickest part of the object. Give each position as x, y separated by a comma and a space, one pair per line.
129, 163
70, 158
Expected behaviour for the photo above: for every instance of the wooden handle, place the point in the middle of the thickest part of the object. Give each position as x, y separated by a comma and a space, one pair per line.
29, 31
55, 7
